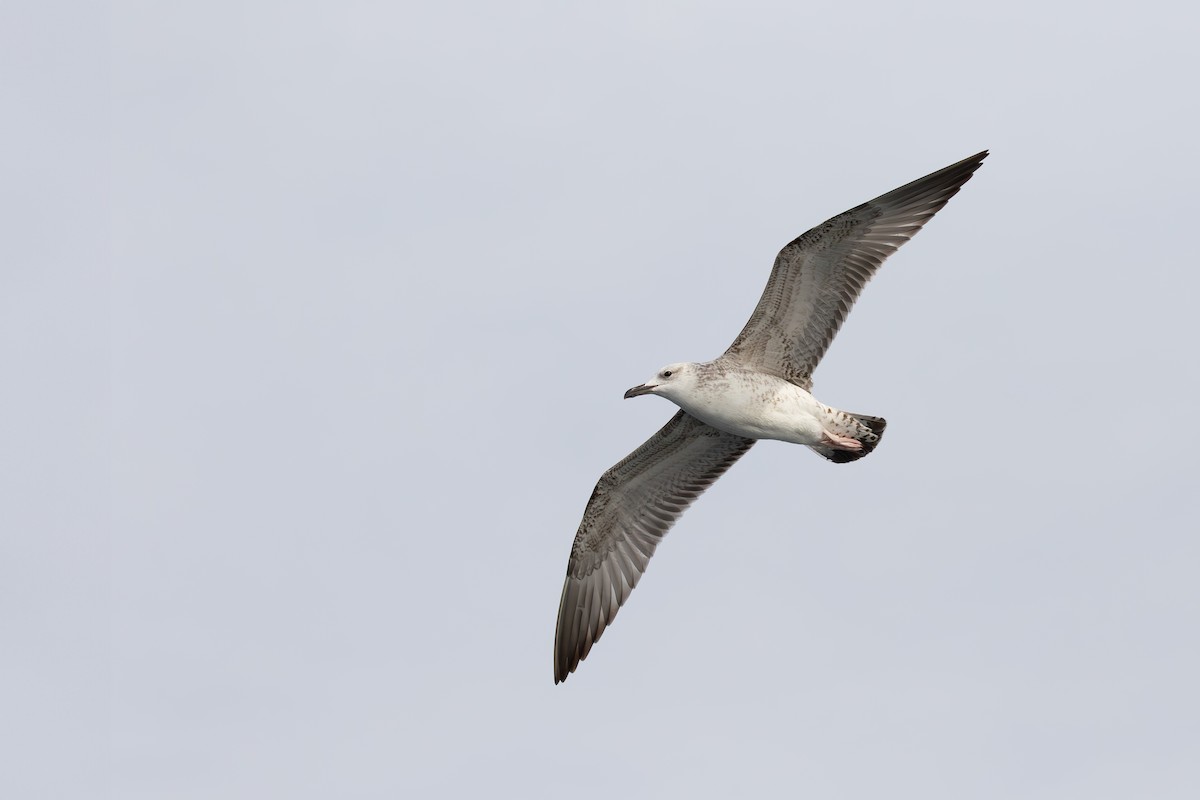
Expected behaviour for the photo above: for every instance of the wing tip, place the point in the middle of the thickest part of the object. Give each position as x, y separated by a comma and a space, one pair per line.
564, 663
929, 194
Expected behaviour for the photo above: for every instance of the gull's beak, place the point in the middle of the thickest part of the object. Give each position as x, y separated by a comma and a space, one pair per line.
645, 388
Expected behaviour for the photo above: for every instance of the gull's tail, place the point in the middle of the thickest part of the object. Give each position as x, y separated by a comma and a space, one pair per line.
849, 437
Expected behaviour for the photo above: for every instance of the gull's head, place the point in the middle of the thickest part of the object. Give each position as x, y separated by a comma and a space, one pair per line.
670, 381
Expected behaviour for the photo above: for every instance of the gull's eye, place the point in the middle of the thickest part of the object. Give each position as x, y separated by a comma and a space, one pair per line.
666, 373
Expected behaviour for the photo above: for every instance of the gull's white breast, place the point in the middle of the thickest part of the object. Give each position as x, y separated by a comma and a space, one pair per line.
755, 405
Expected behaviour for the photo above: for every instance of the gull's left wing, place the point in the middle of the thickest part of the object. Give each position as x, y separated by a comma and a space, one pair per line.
817, 278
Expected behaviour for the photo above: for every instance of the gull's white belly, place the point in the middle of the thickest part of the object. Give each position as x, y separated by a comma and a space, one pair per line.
759, 407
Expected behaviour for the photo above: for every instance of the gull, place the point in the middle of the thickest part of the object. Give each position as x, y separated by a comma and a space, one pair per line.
760, 388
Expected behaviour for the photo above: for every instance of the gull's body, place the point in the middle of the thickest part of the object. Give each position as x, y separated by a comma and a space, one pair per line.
752, 404
760, 388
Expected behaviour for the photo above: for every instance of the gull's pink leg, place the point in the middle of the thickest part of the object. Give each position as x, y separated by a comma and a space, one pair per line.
840, 442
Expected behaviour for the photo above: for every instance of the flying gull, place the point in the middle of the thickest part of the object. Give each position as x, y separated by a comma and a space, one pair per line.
760, 388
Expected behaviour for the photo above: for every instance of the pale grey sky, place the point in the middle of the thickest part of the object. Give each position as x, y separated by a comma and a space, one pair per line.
316, 321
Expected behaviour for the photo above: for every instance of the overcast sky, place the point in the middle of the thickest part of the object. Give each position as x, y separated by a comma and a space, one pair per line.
315, 325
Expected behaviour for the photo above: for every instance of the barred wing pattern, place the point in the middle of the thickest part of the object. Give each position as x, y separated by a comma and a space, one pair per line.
817, 277
632, 507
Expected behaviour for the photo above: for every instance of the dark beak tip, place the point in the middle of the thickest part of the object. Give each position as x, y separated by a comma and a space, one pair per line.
637, 391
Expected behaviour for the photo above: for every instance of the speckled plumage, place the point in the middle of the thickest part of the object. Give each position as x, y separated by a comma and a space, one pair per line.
760, 388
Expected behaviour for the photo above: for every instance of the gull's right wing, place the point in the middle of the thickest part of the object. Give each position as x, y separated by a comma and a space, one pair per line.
632, 507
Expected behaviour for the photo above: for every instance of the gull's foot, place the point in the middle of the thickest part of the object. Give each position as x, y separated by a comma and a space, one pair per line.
836, 442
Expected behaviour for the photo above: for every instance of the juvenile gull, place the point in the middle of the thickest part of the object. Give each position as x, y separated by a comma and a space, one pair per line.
758, 389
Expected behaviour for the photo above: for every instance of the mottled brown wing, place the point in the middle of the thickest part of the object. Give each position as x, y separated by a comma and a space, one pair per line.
817, 278
632, 507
